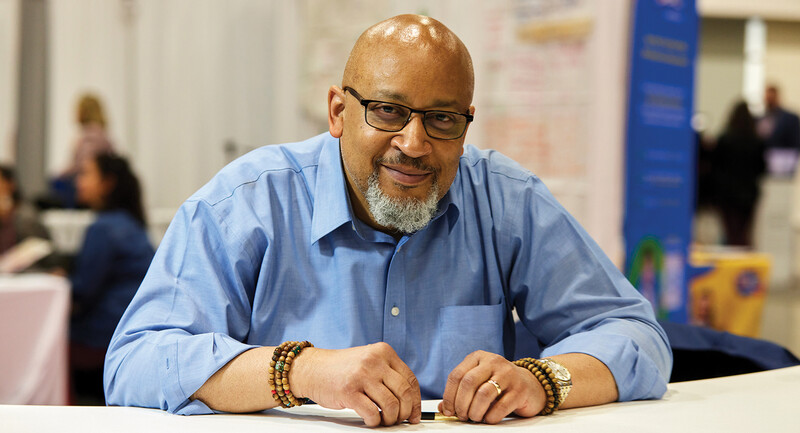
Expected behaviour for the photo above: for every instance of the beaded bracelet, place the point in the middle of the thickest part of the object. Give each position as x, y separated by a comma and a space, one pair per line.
279, 368
546, 377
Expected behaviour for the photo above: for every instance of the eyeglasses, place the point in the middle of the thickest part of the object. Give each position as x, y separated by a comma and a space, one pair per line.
389, 117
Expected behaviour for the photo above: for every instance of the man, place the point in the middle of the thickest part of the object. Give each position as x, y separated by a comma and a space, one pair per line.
780, 129
394, 249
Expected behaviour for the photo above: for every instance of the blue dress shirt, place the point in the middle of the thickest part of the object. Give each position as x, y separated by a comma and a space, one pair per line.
269, 251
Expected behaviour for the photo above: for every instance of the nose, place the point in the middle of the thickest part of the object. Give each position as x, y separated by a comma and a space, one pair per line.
412, 140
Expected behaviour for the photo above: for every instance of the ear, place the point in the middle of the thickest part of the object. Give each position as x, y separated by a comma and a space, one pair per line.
472, 112
336, 111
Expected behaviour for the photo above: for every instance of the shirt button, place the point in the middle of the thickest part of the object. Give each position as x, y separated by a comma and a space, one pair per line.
395, 311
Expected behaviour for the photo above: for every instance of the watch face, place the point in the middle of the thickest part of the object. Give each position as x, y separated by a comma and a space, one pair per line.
559, 371
561, 374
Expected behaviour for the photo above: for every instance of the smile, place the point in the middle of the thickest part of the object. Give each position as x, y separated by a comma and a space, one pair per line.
405, 175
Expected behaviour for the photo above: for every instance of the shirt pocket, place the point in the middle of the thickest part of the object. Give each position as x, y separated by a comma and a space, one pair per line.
466, 328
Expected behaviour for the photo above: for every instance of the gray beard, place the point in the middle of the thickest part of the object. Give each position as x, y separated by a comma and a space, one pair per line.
406, 215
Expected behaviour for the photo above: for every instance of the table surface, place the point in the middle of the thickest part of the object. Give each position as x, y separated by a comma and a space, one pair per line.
765, 401
29, 282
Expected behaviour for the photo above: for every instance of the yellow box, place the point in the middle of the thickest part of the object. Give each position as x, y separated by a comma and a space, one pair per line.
729, 297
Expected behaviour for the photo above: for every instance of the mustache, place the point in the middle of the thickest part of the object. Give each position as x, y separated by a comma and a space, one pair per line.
403, 159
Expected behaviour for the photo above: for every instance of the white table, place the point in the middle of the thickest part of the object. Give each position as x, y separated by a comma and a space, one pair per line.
759, 402
34, 314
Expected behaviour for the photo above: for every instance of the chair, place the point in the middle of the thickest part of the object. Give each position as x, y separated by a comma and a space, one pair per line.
703, 353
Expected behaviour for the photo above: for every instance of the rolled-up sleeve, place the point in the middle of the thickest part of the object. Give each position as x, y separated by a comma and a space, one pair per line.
574, 300
633, 353
188, 318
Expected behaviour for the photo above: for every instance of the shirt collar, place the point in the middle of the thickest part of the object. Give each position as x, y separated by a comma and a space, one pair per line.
331, 209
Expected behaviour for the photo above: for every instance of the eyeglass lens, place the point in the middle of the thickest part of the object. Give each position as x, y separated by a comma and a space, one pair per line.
392, 117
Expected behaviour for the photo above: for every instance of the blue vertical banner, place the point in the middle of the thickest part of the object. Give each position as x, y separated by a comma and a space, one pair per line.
660, 156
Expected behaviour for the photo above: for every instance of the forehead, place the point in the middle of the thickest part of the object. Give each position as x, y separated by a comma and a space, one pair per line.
421, 79
387, 95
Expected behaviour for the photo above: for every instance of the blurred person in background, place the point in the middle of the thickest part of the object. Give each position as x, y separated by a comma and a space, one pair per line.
18, 220
109, 267
780, 129
704, 147
738, 164
92, 140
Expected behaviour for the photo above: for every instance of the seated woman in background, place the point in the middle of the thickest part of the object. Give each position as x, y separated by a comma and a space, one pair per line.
18, 220
108, 269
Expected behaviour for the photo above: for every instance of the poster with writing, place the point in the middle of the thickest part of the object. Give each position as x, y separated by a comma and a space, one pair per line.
659, 198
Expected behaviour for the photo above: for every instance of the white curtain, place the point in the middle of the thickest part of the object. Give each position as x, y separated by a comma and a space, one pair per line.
180, 79
9, 70
207, 76
86, 54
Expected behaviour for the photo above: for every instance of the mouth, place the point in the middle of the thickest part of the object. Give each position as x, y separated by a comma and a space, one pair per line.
405, 175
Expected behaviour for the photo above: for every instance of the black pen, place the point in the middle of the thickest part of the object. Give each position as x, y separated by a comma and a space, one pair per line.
438, 416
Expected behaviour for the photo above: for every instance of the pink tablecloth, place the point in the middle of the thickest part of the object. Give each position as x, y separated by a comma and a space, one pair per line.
34, 314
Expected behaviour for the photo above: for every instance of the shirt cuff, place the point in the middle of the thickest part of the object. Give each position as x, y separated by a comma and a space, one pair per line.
636, 374
188, 363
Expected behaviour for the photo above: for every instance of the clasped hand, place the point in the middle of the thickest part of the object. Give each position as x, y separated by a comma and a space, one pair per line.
379, 386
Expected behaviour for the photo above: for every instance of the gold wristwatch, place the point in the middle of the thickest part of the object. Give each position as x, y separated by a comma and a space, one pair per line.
563, 380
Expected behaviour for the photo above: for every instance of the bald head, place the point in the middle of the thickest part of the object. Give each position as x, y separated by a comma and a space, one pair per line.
393, 42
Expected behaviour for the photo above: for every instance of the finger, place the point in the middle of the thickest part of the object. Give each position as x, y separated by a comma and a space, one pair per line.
386, 401
484, 397
413, 399
500, 409
406, 395
367, 410
467, 388
453, 382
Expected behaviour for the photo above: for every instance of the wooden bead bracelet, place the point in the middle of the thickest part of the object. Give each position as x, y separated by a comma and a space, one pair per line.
279, 368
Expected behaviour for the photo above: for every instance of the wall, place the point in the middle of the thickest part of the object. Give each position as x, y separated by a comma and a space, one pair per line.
767, 9
720, 69
782, 60
721, 57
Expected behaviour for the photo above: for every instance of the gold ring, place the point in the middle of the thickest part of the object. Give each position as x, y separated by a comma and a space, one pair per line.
496, 386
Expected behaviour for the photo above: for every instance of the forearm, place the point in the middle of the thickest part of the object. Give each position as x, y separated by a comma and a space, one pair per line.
372, 380
592, 382
241, 385
161, 369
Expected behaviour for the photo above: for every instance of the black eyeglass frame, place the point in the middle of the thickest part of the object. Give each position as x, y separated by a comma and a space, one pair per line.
366, 102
